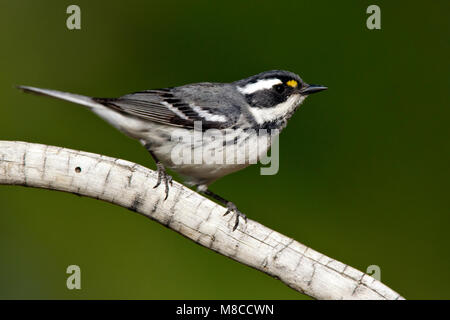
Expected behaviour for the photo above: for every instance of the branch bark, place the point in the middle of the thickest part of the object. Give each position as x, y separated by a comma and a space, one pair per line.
131, 186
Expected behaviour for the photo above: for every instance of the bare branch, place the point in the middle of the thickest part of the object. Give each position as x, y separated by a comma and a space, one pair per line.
131, 186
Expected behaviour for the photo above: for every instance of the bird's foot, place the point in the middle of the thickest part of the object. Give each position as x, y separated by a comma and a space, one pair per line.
163, 177
231, 207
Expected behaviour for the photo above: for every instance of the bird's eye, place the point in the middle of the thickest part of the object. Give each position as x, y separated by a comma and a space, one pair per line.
279, 88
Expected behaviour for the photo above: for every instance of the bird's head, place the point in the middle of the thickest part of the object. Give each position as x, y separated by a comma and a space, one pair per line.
275, 94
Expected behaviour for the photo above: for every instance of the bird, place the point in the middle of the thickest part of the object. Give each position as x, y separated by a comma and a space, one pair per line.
239, 110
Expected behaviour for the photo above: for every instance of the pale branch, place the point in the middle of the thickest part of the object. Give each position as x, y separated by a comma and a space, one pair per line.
131, 186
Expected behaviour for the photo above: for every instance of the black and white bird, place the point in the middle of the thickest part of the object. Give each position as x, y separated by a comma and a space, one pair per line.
240, 109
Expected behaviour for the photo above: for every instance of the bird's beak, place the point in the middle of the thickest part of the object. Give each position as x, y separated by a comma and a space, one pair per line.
311, 88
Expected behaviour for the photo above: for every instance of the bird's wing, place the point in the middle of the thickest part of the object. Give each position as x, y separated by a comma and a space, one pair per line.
172, 107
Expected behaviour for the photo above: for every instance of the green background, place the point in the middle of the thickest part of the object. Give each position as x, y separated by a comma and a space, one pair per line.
364, 172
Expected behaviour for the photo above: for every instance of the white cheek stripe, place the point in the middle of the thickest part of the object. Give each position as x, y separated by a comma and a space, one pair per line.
208, 115
268, 114
259, 85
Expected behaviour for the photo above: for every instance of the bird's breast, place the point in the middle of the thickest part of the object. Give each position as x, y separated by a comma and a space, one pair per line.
203, 157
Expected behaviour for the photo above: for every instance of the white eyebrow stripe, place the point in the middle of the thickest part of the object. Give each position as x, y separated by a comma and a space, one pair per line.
205, 114
259, 85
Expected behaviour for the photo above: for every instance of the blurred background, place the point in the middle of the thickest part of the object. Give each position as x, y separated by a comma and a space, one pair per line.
364, 167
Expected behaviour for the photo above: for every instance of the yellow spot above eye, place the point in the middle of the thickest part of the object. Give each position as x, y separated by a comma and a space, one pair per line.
292, 83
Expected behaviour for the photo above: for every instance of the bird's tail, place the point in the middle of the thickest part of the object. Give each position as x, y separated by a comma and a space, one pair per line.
72, 97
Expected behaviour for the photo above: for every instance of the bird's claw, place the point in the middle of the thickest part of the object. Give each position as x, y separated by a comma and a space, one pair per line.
163, 176
231, 207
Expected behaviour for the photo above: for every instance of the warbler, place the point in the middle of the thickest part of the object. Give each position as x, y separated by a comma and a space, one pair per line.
238, 109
